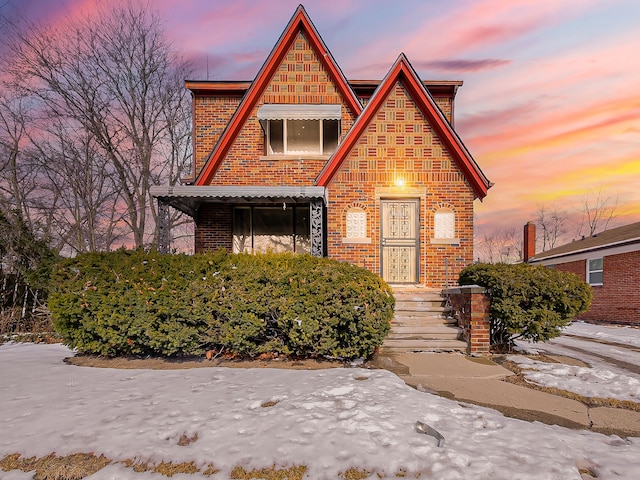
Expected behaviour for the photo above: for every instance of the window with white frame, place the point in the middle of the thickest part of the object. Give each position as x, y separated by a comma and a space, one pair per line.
300, 129
595, 271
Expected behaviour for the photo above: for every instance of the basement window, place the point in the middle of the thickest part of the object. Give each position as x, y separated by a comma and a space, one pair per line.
300, 129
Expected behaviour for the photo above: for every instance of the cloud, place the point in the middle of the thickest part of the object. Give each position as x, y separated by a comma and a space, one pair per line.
461, 65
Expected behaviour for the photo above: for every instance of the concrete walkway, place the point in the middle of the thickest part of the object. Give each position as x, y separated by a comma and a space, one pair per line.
480, 381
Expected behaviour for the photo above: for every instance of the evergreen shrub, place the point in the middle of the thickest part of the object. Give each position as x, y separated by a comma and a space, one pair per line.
527, 301
138, 303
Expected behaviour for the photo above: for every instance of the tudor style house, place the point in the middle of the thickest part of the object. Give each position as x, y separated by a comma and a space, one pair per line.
609, 261
303, 160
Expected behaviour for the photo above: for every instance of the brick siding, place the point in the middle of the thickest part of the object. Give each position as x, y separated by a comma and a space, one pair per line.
214, 227
300, 79
400, 142
211, 116
617, 300
446, 105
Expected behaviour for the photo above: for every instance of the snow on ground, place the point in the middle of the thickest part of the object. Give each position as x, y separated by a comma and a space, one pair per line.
585, 381
329, 420
604, 377
610, 333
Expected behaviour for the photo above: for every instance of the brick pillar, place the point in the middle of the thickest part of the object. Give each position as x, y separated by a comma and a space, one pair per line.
471, 305
480, 340
529, 247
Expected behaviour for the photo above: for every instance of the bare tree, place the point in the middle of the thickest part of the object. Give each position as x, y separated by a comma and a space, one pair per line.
552, 225
500, 246
598, 209
114, 78
78, 180
16, 181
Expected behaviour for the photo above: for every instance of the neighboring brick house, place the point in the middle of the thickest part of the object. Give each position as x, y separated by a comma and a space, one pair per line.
610, 262
303, 160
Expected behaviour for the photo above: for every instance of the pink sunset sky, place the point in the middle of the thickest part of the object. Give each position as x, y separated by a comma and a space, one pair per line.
550, 106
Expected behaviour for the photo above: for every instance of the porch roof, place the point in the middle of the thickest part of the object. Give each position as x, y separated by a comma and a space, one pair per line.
188, 198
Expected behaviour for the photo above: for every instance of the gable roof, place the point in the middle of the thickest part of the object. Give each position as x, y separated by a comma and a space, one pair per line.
615, 237
300, 22
402, 71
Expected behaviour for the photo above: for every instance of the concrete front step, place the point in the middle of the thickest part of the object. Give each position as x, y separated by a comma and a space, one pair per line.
421, 323
418, 321
420, 307
393, 348
425, 330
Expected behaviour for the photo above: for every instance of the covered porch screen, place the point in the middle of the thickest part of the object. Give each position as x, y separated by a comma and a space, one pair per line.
271, 229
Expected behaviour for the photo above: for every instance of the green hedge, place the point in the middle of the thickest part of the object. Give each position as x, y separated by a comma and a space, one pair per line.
531, 302
137, 303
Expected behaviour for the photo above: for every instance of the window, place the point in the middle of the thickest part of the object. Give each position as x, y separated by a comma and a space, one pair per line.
300, 129
595, 271
271, 229
302, 137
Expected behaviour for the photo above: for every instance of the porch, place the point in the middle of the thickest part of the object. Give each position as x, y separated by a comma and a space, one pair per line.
247, 219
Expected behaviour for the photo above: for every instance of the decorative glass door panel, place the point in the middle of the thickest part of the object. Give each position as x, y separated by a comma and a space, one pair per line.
399, 240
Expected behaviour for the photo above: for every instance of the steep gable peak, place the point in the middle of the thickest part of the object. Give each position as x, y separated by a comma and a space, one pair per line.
402, 72
299, 23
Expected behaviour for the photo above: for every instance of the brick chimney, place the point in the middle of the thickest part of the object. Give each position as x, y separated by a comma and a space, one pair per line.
529, 247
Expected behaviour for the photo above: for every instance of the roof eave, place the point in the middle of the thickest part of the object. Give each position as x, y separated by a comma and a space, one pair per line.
594, 248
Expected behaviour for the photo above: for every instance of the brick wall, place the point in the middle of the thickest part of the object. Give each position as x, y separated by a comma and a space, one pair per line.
300, 79
400, 143
210, 116
214, 226
446, 105
617, 300
579, 267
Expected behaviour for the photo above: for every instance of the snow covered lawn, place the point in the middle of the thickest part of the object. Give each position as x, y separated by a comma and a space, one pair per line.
585, 381
328, 420
604, 378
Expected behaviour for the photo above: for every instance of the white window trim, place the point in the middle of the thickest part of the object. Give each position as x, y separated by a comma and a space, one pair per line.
285, 146
291, 112
285, 139
589, 272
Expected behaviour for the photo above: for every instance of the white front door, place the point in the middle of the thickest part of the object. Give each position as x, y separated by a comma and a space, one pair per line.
399, 240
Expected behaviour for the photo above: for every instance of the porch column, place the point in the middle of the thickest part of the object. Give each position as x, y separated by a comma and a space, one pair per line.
164, 239
317, 222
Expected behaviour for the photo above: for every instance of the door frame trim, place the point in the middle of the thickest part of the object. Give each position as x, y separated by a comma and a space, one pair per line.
418, 243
